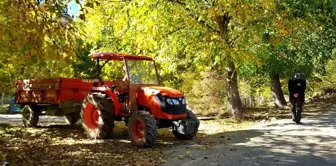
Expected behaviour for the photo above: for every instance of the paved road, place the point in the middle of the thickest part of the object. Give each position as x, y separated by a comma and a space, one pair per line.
280, 142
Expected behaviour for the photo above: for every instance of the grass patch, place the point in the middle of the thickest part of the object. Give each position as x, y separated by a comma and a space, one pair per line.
4, 108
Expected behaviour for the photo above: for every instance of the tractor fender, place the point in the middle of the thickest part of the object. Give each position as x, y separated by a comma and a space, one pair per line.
113, 97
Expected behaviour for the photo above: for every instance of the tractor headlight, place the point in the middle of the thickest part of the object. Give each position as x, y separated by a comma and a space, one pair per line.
169, 101
175, 102
184, 101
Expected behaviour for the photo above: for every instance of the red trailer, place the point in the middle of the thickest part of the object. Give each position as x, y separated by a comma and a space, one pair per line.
58, 96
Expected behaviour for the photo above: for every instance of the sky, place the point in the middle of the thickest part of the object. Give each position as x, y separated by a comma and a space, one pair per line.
73, 8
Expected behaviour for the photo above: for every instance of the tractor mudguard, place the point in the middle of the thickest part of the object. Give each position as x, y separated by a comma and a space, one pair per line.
113, 97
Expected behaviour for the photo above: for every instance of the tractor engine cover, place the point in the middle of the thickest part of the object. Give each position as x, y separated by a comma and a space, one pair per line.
163, 102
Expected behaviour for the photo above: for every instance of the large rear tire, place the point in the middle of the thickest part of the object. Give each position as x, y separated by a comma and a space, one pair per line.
142, 129
186, 129
97, 115
30, 115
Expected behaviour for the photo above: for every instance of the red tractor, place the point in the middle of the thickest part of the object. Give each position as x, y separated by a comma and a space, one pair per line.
138, 100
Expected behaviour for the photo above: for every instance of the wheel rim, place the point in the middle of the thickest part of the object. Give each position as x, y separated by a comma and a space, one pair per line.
91, 116
138, 130
26, 114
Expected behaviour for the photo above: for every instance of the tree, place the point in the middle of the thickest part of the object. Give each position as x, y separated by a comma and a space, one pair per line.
170, 30
292, 41
196, 36
35, 41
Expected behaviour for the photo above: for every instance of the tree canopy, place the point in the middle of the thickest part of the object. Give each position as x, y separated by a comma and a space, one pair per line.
226, 43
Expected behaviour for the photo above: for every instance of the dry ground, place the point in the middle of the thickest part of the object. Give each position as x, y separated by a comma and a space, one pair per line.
55, 143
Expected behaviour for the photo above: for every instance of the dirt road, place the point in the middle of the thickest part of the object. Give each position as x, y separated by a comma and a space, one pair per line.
280, 142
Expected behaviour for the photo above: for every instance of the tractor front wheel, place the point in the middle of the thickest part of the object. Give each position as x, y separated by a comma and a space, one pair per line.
142, 129
187, 128
30, 115
97, 115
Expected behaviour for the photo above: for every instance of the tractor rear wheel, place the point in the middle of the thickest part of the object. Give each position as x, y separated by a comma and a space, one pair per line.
97, 115
186, 129
30, 115
142, 129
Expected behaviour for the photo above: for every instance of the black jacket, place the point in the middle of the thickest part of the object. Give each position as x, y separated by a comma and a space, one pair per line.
297, 86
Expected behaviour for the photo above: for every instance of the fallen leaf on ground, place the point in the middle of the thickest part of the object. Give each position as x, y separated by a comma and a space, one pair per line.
187, 153
162, 160
257, 163
181, 157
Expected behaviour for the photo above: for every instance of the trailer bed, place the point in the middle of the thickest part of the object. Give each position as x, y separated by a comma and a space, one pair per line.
52, 91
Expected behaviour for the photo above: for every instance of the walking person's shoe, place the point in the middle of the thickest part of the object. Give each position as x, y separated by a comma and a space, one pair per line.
298, 122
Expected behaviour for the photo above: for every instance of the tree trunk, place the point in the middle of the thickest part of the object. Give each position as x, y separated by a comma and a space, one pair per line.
2, 97
279, 99
234, 102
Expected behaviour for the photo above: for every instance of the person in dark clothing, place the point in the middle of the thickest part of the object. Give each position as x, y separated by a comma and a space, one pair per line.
296, 88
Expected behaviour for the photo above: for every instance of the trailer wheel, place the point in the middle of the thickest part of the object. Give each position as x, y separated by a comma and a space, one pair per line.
142, 129
187, 128
97, 115
30, 115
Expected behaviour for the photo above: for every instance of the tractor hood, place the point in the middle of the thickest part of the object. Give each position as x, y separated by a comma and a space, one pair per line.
164, 91
163, 102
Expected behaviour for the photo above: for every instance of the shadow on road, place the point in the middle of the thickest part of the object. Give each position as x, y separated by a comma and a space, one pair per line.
279, 143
